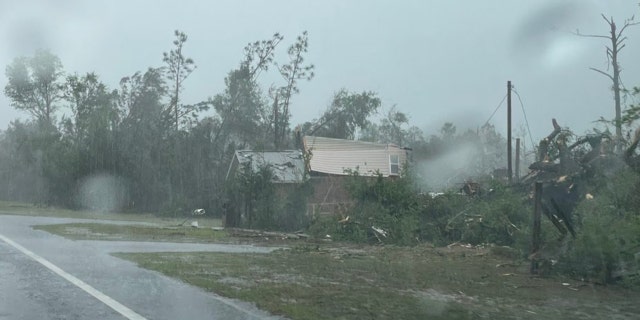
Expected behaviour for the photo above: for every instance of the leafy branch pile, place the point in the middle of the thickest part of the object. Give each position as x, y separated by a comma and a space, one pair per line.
409, 217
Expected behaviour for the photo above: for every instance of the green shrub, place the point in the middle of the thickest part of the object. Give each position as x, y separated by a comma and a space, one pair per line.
607, 247
292, 215
498, 219
408, 217
385, 204
438, 218
254, 201
360, 224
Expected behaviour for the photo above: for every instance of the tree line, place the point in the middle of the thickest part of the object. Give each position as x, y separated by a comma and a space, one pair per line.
171, 156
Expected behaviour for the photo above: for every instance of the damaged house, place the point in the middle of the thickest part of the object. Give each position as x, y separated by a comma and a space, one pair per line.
332, 160
276, 175
323, 165
287, 166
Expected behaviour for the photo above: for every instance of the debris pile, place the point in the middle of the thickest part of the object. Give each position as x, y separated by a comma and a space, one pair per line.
266, 235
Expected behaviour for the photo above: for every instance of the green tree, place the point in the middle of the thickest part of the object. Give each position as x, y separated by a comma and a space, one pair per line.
493, 153
292, 72
241, 121
143, 142
632, 113
34, 84
241, 108
448, 131
91, 103
202, 168
347, 113
259, 55
140, 97
178, 69
391, 127
252, 198
394, 128
91, 139
40, 164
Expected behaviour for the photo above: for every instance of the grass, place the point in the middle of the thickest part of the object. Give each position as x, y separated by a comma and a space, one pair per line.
317, 282
320, 281
105, 231
17, 208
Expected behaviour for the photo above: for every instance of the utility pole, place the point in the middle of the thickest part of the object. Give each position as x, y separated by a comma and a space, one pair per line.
509, 162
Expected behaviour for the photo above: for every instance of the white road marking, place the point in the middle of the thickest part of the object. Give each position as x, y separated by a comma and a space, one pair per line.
113, 304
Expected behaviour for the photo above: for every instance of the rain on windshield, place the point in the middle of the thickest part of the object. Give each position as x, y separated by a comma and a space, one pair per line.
317, 160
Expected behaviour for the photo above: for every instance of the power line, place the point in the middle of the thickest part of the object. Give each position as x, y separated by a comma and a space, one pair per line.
496, 110
525, 117
523, 112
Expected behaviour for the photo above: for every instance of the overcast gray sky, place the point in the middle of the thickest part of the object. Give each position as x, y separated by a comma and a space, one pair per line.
436, 60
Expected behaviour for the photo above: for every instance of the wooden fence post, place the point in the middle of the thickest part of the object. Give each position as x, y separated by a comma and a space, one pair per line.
535, 232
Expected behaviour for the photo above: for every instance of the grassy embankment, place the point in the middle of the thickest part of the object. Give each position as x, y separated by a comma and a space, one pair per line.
16, 208
105, 231
344, 282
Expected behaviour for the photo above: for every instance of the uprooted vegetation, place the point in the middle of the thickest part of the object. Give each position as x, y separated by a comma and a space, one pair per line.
591, 224
391, 211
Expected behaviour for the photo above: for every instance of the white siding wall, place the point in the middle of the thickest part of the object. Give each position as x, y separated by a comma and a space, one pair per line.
333, 156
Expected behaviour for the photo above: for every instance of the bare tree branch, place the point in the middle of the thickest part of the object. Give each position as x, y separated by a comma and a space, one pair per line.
627, 24
617, 43
577, 33
602, 72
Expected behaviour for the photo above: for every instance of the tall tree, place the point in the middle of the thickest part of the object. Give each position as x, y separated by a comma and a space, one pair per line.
240, 103
178, 69
143, 142
291, 72
140, 97
27, 149
616, 39
391, 127
347, 113
91, 102
95, 122
448, 131
258, 55
241, 107
35, 84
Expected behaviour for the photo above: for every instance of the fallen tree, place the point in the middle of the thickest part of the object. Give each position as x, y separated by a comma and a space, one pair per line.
590, 192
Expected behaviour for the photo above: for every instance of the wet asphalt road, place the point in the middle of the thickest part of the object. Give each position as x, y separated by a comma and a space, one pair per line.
29, 290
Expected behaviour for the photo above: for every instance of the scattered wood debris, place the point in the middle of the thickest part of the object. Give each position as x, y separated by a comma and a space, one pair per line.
377, 232
250, 233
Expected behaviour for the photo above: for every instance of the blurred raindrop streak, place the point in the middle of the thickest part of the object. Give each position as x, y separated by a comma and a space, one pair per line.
546, 39
103, 192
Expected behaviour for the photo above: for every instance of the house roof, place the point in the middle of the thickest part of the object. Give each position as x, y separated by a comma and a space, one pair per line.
335, 156
287, 166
